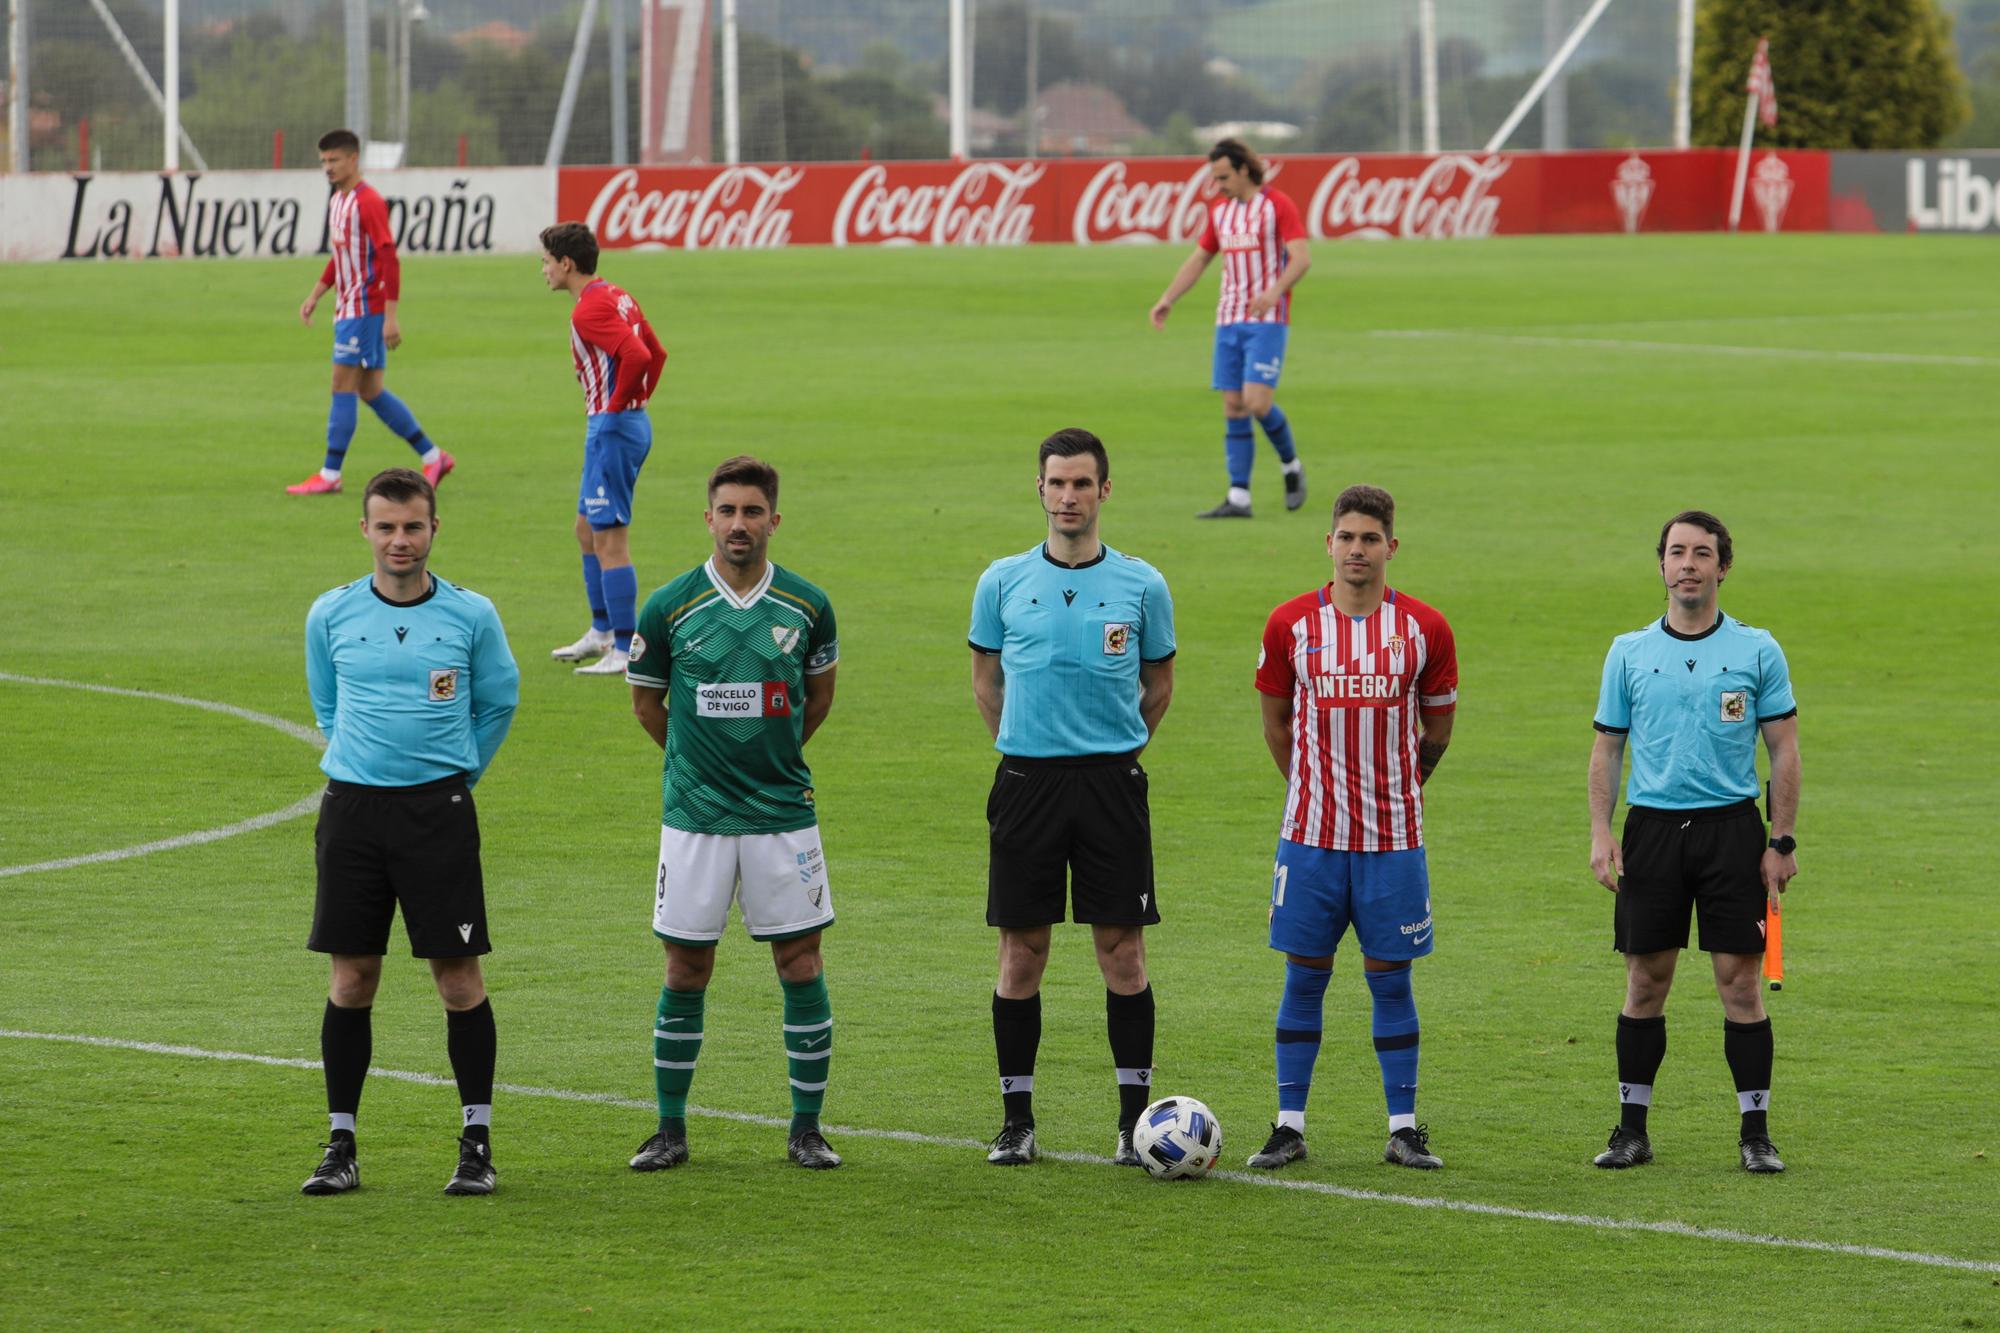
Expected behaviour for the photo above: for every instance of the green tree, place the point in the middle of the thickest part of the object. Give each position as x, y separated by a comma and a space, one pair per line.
1850, 73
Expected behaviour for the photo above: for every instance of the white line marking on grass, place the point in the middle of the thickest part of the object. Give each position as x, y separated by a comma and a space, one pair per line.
304, 806
1686, 1229
1713, 349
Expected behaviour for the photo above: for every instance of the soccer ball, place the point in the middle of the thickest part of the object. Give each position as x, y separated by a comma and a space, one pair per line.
1177, 1138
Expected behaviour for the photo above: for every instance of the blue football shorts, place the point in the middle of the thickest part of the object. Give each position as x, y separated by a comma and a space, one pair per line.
1316, 893
1248, 354
358, 342
615, 445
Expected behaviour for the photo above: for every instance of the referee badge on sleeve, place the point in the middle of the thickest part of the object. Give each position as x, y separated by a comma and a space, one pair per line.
444, 685
1735, 705
1117, 638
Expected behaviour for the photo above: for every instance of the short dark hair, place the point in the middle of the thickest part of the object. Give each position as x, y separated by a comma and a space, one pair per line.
1373, 501
572, 241
399, 485
743, 470
1070, 442
1707, 522
340, 141
1241, 156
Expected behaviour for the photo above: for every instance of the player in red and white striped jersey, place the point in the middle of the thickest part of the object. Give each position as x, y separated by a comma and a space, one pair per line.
367, 282
1358, 684
619, 362
1262, 240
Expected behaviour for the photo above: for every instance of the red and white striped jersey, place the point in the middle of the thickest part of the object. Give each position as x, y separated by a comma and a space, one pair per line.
363, 271
1251, 234
1357, 687
618, 360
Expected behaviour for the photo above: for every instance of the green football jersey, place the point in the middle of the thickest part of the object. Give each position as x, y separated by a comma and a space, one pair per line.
734, 670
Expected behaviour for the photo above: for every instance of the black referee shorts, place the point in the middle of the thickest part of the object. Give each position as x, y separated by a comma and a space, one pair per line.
380, 846
1076, 827
1709, 860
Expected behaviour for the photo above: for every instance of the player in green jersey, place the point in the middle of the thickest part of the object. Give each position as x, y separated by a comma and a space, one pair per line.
732, 671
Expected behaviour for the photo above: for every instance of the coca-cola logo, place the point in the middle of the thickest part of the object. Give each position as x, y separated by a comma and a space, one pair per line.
1448, 198
739, 209
984, 204
1113, 208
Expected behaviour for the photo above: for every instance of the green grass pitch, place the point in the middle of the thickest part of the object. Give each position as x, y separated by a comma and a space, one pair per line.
1832, 398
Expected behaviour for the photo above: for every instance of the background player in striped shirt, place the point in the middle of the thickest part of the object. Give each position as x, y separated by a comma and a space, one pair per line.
732, 672
414, 687
366, 280
1258, 231
619, 363
1359, 682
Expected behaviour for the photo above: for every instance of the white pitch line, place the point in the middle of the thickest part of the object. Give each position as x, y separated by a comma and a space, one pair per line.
1688, 1230
1713, 349
303, 806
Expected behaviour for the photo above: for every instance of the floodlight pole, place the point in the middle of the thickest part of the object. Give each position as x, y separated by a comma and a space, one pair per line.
1684, 76
145, 78
578, 52
17, 85
1547, 76
1427, 60
961, 81
732, 89
171, 159
357, 68
619, 144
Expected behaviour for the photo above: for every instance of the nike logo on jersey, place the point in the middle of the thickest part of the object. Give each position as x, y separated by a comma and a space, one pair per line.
811, 1042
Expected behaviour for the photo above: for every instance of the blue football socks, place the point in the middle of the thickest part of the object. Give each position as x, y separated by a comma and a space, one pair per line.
1299, 1022
621, 599
1279, 431
1239, 445
593, 589
339, 430
1395, 1029
395, 414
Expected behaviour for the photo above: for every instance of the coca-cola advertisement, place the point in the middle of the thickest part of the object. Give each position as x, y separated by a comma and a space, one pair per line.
1151, 200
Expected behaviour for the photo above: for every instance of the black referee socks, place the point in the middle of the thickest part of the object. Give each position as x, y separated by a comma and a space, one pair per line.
471, 1042
1748, 1048
346, 1045
1017, 1035
1128, 1019
1642, 1045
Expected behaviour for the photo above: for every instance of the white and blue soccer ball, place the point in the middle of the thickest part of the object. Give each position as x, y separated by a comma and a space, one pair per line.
1177, 1138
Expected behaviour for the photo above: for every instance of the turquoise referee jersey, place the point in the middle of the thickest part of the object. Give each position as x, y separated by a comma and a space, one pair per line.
1692, 705
409, 693
1070, 641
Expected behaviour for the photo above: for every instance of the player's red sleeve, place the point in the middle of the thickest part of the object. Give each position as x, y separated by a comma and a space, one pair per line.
326, 274
1291, 227
1209, 240
1274, 659
375, 225
1437, 684
656, 356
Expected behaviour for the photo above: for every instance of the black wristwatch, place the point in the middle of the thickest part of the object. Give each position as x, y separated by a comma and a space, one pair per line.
1785, 846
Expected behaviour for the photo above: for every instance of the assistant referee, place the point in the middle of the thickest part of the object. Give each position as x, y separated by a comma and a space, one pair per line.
1072, 668
1692, 691
413, 685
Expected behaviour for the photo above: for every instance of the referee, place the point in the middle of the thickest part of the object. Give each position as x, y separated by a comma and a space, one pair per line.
1693, 690
1072, 667
414, 688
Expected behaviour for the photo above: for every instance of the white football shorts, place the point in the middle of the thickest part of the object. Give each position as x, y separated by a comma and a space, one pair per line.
780, 879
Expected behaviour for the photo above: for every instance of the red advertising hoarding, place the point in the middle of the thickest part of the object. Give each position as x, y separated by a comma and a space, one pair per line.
1164, 199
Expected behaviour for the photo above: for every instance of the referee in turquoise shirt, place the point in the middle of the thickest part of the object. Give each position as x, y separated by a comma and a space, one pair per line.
1692, 692
1072, 667
414, 687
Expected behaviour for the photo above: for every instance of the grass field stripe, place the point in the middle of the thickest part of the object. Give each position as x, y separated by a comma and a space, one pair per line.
1721, 349
1684, 1229
303, 806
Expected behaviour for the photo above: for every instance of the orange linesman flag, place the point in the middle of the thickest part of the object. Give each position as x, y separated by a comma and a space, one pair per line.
1774, 942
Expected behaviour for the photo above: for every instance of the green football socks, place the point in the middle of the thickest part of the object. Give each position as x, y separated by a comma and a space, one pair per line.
808, 1048
676, 1044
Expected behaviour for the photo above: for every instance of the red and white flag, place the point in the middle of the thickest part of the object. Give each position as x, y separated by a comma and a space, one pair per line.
1759, 85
